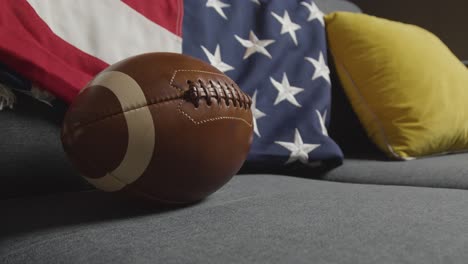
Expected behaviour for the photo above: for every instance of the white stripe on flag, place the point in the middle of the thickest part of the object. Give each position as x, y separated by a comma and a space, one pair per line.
107, 29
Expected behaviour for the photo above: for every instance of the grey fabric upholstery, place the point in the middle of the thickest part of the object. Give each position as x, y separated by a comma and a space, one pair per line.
327, 6
32, 160
253, 219
448, 171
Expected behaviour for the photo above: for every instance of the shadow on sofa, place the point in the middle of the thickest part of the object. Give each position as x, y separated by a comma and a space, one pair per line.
61, 210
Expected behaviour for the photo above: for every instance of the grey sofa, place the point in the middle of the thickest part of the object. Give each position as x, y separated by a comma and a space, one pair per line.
369, 210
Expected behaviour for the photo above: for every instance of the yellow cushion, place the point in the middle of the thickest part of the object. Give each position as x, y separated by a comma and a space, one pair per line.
407, 88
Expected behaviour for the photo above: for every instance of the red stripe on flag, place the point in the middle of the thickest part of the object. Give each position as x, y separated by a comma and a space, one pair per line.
168, 13
29, 46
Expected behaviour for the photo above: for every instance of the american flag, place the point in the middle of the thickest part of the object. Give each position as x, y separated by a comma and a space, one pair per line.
275, 50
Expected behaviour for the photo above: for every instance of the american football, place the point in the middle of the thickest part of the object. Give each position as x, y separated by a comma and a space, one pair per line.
161, 126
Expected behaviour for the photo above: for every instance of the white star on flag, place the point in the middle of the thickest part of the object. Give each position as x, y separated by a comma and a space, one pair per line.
253, 44
215, 59
257, 114
321, 68
315, 12
286, 91
299, 150
218, 7
322, 121
287, 26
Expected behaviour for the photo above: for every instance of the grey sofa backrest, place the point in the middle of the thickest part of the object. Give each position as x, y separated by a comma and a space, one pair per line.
328, 6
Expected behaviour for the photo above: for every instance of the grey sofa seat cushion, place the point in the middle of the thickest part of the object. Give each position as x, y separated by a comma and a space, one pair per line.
253, 219
448, 171
32, 160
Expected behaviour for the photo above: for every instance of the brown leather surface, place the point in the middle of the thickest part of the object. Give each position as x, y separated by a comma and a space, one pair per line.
154, 73
95, 147
194, 160
200, 142
89, 107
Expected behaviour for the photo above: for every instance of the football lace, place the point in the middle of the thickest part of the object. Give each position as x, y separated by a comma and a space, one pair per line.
218, 90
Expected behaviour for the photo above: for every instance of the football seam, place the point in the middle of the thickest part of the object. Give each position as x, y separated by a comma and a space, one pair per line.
179, 108
136, 108
167, 100
153, 101
162, 100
